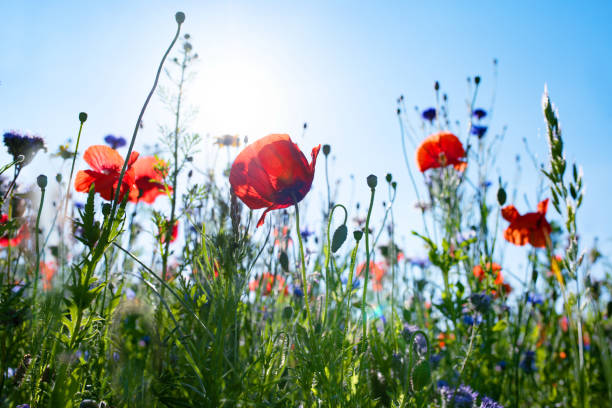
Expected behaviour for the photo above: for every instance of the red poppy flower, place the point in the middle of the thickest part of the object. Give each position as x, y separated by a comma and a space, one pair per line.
149, 178
269, 280
272, 173
495, 269
47, 270
529, 228
9, 239
377, 272
106, 166
440, 150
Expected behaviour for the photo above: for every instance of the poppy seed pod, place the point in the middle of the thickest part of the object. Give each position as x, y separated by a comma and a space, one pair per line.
42, 181
180, 17
82, 117
326, 149
357, 235
477, 79
389, 177
372, 181
436, 85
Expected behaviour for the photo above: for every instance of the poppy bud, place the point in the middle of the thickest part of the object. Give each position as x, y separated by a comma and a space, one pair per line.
501, 196
58, 177
180, 17
477, 79
326, 149
82, 117
106, 209
372, 181
436, 85
42, 181
187, 36
394, 184
357, 235
187, 47
399, 111
305, 125
388, 177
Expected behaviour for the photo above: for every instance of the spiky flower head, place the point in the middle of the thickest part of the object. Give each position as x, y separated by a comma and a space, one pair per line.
24, 145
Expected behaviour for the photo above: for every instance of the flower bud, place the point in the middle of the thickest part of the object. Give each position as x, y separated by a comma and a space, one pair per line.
58, 177
501, 196
357, 234
437, 86
477, 79
326, 149
82, 117
42, 181
372, 181
180, 17
106, 209
388, 177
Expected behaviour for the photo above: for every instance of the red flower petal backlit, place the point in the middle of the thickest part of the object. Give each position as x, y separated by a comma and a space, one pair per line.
495, 268
272, 173
13, 240
440, 150
376, 273
106, 166
530, 228
149, 179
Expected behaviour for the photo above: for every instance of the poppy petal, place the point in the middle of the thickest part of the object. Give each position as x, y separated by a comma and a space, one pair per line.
543, 206
102, 158
510, 213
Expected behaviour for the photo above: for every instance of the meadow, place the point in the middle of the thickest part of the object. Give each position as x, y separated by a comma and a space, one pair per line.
160, 282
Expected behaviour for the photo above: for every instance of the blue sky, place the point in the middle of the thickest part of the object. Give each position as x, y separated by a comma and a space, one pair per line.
268, 67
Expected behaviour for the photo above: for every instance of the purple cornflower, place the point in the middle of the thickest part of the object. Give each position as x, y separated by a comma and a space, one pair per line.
478, 130
429, 114
356, 282
490, 403
79, 205
419, 262
23, 145
500, 366
462, 397
479, 113
298, 292
481, 301
115, 141
468, 320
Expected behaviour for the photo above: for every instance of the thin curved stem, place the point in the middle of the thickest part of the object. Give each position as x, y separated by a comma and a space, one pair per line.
303, 264
367, 269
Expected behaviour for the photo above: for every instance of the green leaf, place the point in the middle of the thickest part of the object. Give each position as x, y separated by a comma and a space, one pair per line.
500, 326
339, 237
421, 375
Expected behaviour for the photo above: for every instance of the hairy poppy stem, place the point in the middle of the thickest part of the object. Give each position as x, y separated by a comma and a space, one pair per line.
303, 262
37, 265
142, 111
367, 269
328, 254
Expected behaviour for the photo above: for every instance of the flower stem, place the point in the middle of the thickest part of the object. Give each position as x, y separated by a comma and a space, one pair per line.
303, 264
37, 265
367, 269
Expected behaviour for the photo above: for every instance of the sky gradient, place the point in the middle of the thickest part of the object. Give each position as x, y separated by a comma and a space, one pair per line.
268, 67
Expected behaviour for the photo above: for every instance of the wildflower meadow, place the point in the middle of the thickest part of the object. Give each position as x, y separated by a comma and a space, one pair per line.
133, 276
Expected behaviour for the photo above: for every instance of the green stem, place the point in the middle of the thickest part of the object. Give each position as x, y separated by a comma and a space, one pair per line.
328, 255
37, 265
367, 269
303, 264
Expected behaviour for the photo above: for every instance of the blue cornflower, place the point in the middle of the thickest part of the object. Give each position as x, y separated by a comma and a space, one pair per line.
490, 403
442, 383
298, 292
478, 130
356, 282
486, 184
306, 233
479, 113
115, 141
23, 145
435, 359
79, 205
429, 114
528, 363
535, 298
500, 366
468, 320
23, 406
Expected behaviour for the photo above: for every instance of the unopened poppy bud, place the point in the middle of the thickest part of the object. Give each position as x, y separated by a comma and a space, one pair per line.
436, 85
58, 177
180, 17
399, 111
357, 235
42, 181
477, 79
388, 177
394, 184
305, 125
326, 149
106, 209
82, 117
372, 181
187, 47
501, 196
187, 36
